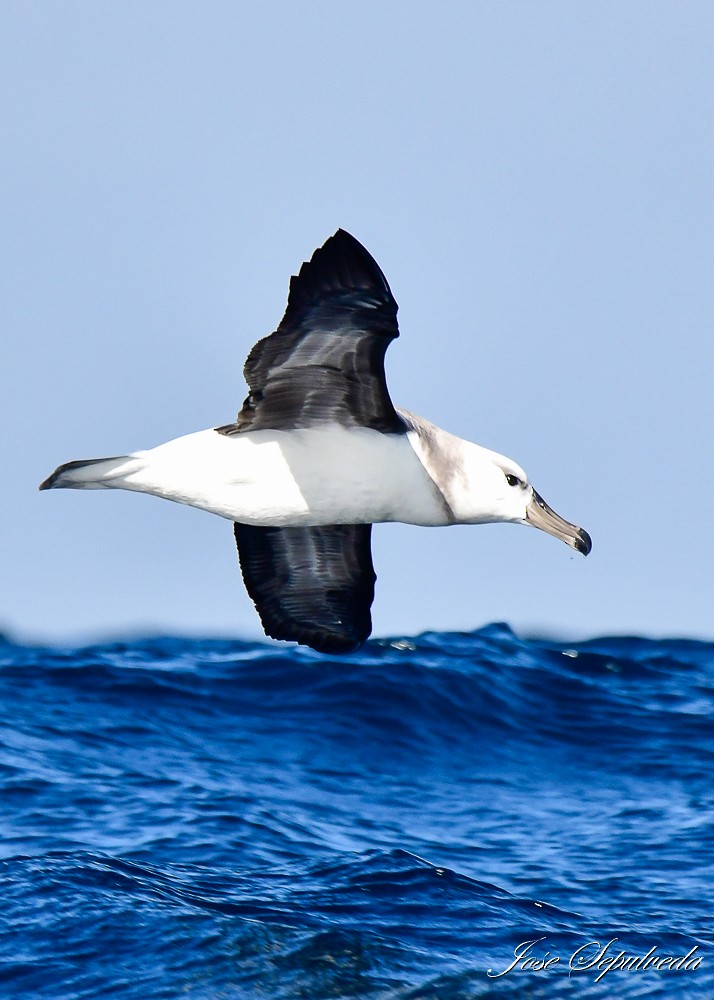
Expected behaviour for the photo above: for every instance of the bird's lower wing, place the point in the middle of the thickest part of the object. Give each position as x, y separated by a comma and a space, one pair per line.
311, 585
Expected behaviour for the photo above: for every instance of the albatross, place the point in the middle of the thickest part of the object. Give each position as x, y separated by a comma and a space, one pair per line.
318, 454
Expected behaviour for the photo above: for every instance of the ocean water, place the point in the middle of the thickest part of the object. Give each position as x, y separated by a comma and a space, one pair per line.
221, 819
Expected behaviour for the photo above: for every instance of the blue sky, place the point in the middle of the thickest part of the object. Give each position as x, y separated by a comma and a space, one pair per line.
536, 181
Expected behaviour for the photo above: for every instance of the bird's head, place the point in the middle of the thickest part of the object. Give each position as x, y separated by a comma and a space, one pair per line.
490, 487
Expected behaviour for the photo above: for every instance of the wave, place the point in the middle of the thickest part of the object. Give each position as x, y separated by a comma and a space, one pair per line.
217, 818
439, 691
385, 925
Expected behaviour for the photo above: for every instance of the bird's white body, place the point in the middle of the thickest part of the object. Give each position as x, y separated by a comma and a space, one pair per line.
317, 475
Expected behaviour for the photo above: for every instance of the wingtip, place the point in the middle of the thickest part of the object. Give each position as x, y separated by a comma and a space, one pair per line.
344, 241
346, 237
330, 643
341, 264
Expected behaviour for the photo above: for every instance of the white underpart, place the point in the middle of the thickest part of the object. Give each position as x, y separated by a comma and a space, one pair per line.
301, 477
311, 476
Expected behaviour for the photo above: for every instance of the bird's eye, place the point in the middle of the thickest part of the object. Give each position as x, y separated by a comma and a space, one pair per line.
514, 480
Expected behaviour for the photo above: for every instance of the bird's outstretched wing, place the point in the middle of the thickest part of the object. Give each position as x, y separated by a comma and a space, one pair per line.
311, 585
325, 362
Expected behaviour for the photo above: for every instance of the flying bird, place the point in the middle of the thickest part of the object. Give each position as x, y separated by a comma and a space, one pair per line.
318, 454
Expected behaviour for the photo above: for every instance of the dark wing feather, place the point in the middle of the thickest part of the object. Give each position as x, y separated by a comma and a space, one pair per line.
325, 362
311, 585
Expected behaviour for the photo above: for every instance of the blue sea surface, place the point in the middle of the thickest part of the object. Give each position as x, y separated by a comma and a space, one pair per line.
223, 819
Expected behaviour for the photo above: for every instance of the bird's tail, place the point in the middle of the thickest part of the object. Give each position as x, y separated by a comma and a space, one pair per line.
91, 474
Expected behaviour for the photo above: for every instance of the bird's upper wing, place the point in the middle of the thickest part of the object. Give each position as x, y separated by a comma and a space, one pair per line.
312, 585
325, 362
